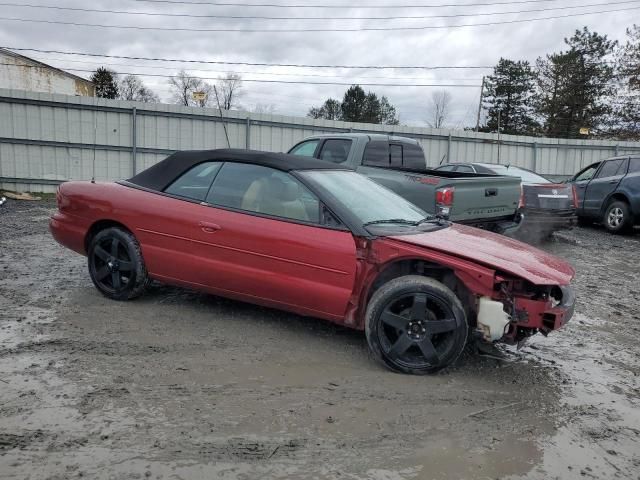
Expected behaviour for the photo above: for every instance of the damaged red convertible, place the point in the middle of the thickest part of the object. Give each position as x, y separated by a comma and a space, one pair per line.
313, 238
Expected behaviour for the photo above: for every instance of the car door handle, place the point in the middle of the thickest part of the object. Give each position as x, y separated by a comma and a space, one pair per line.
490, 192
208, 227
613, 181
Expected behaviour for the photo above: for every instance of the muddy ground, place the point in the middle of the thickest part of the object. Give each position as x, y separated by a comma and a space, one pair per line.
184, 385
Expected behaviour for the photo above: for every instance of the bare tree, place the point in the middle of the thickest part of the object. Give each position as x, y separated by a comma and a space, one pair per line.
229, 90
439, 109
132, 88
183, 86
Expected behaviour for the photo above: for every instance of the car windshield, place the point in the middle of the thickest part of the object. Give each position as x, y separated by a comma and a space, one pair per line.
525, 175
367, 200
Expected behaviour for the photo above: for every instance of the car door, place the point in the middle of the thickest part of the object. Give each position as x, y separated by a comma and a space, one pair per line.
603, 184
260, 238
581, 180
164, 230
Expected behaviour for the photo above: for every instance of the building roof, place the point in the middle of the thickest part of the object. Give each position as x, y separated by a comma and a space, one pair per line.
162, 174
4, 51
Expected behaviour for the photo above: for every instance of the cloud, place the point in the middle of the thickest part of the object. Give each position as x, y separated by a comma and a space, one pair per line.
447, 46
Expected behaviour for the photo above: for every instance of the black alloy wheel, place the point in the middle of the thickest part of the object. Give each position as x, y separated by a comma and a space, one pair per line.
115, 264
416, 325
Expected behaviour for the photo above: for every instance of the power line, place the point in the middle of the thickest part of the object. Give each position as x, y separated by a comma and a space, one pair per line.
280, 5
255, 80
300, 82
313, 30
261, 64
267, 17
254, 64
243, 72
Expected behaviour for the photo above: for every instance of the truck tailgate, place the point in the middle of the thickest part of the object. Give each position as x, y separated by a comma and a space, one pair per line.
483, 198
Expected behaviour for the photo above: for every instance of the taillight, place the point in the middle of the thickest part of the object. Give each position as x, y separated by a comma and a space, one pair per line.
444, 200
575, 196
444, 196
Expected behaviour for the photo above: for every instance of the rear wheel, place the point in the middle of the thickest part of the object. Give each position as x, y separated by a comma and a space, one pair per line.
617, 217
116, 266
415, 325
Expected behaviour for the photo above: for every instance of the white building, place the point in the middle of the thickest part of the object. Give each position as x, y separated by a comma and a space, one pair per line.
24, 73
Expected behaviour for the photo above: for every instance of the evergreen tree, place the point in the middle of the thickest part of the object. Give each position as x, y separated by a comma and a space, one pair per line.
508, 93
330, 110
575, 86
627, 113
357, 106
105, 82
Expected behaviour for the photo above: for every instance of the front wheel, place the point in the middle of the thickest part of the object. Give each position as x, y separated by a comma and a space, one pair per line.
116, 265
415, 325
617, 217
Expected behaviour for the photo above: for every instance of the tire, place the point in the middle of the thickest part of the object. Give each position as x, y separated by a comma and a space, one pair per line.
617, 217
407, 338
116, 265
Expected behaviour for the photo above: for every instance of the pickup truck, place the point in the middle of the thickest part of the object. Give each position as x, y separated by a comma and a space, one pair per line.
609, 192
398, 163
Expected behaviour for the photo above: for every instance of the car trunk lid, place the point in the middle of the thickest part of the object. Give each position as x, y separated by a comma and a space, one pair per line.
549, 196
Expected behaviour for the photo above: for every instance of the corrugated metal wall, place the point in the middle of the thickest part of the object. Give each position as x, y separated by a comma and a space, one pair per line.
45, 139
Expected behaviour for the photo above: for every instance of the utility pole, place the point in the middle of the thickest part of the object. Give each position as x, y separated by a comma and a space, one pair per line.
480, 105
499, 112
224, 123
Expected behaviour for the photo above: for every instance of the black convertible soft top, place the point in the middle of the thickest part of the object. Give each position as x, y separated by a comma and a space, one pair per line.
159, 176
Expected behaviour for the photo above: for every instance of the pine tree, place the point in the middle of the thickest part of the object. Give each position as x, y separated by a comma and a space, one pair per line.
627, 113
105, 82
575, 86
508, 94
357, 106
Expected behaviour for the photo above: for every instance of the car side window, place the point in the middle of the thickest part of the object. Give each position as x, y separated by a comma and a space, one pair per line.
264, 190
413, 156
335, 150
376, 154
195, 183
611, 168
465, 169
305, 149
587, 174
634, 165
447, 168
395, 155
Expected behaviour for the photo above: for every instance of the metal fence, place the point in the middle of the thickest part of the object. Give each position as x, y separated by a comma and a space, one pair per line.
46, 139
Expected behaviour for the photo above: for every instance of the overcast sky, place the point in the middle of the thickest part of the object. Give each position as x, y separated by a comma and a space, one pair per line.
450, 46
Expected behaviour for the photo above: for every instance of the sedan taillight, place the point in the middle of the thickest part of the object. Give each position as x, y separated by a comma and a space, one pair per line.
575, 196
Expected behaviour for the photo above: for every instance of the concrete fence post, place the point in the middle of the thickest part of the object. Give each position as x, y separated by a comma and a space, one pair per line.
617, 150
134, 140
449, 148
534, 167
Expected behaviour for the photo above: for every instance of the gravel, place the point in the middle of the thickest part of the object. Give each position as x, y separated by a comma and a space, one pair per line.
180, 384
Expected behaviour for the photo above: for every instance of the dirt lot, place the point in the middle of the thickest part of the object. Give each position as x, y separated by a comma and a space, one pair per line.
184, 385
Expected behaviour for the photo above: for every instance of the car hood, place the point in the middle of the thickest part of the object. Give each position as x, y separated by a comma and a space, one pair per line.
496, 251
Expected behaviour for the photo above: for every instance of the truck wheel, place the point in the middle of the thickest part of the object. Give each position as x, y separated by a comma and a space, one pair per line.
116, 266
415, 325
617, 217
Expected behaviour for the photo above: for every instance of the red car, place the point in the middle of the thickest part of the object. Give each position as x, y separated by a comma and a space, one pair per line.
308, 236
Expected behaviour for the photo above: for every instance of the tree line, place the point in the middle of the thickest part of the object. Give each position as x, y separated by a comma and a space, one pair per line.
186, 89
591, 89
